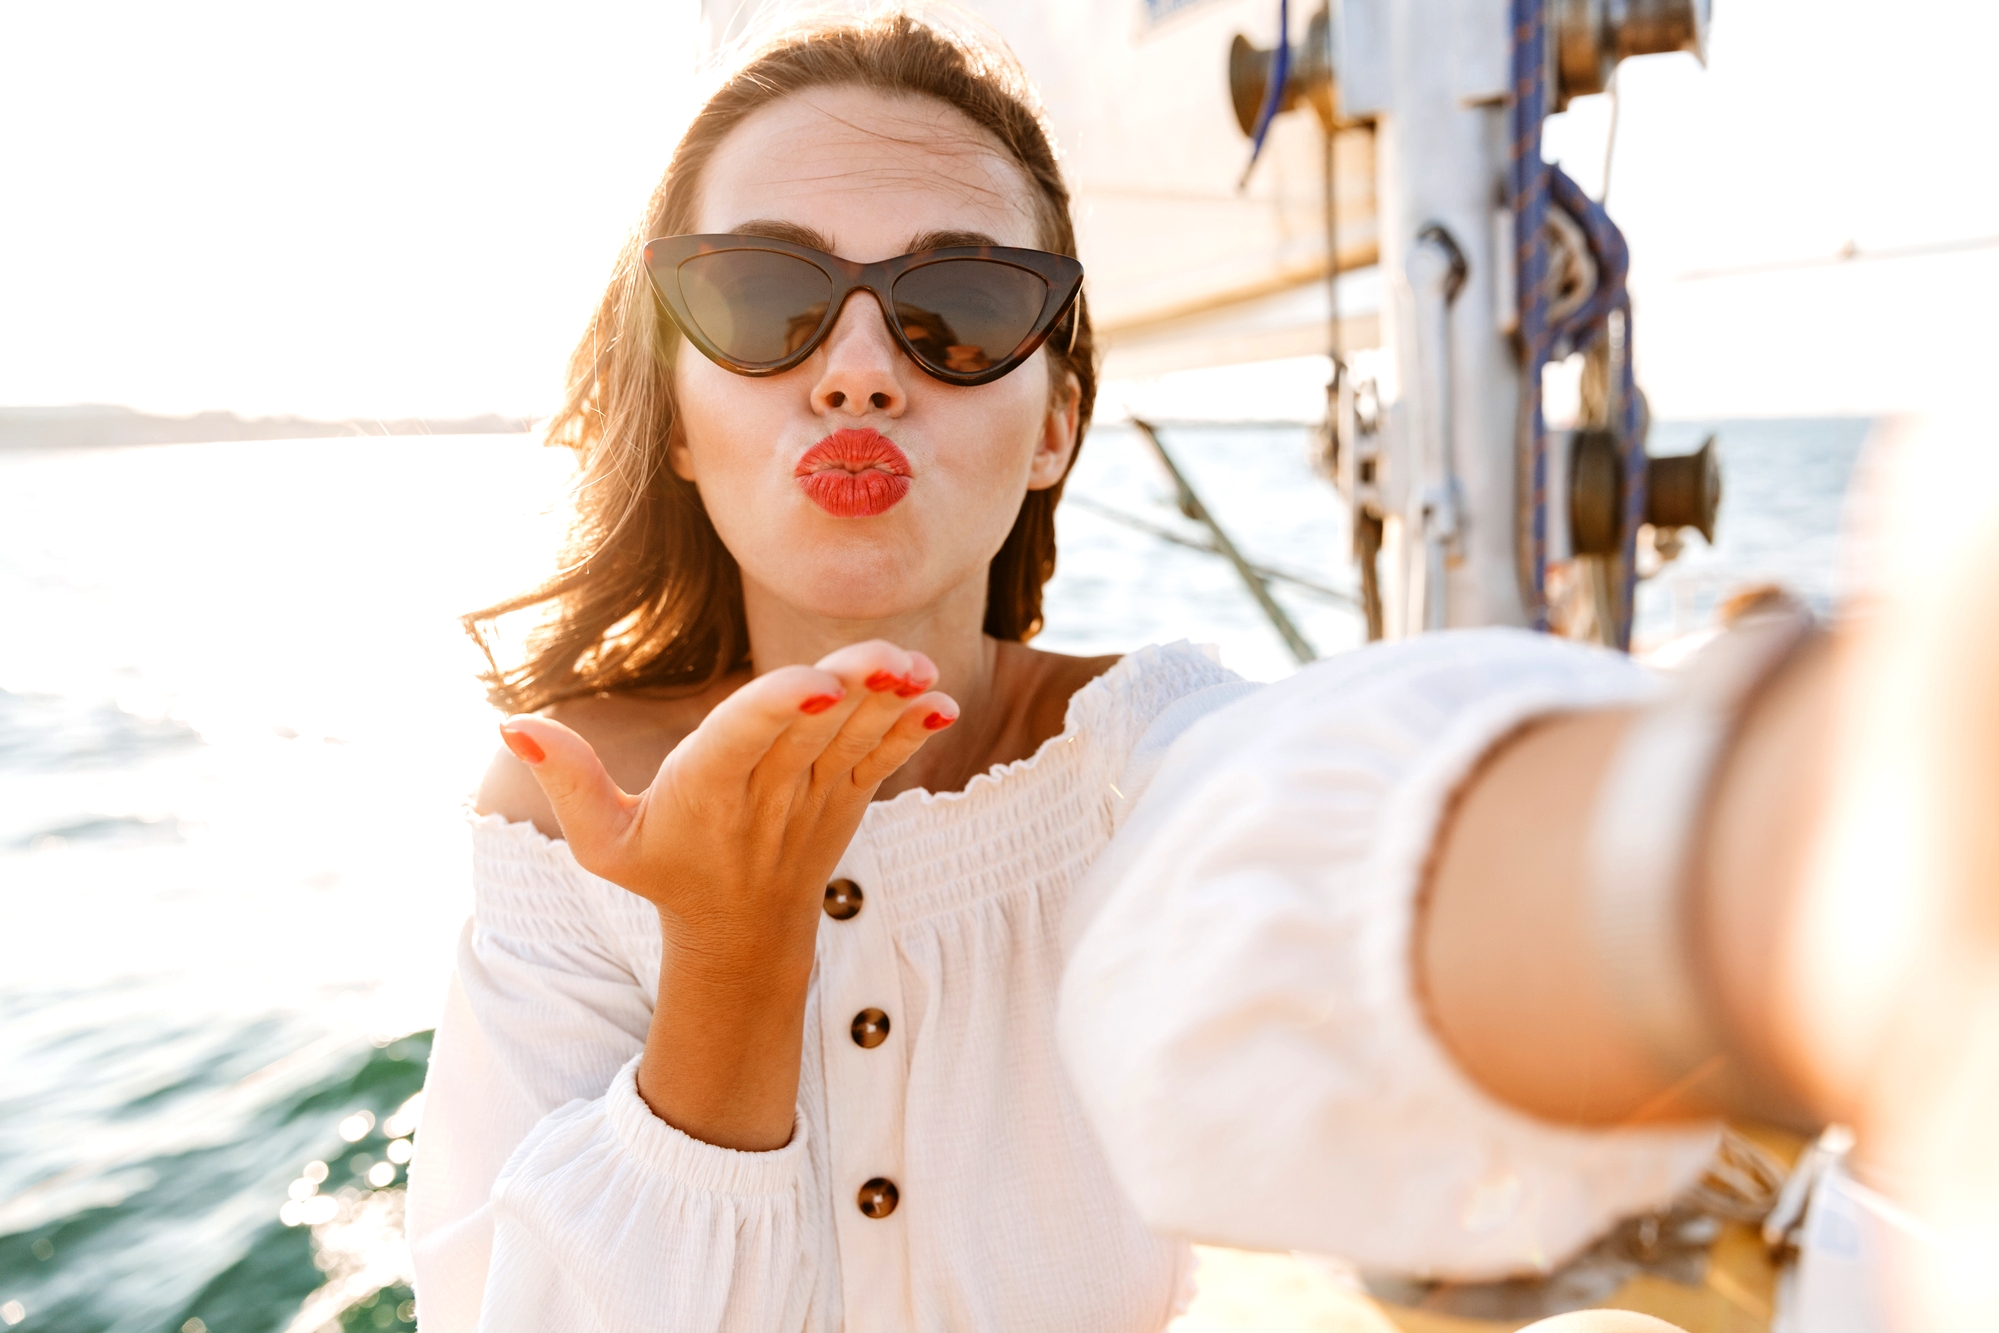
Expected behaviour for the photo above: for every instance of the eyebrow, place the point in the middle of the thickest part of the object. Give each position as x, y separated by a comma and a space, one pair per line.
772, 230
938, 240
783, 231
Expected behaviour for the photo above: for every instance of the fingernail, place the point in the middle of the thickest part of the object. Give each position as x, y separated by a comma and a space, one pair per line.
523, 746
937, 722
883, 680
908, 689
819, 703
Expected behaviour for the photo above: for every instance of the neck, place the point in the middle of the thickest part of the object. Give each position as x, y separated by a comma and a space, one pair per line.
949, 631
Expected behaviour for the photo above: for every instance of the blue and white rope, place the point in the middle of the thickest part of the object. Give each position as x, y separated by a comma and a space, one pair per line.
1535, 187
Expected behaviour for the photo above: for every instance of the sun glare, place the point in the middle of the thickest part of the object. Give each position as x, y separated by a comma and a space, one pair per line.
408, 210
388, 209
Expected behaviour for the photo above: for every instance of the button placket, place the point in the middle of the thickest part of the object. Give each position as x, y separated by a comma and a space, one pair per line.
866, 1082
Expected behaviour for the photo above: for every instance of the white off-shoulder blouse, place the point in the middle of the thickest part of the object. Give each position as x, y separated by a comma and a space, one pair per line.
1246, 1058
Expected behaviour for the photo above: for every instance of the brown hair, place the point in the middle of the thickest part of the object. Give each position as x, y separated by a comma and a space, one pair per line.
647, 595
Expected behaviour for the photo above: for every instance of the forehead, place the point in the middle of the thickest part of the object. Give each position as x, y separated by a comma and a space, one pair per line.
869, 172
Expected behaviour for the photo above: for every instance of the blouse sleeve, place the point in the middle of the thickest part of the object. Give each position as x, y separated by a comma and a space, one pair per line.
545, 1194
1239, 1011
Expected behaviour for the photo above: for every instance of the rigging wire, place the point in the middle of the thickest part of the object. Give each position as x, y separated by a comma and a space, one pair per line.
1366, 539
1191, 505
1610, 138
1267, 572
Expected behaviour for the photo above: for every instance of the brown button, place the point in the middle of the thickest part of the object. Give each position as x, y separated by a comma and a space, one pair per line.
870, 1029
843, 900
879, 1197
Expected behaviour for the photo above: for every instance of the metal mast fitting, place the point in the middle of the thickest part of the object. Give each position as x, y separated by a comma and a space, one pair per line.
1308, 78
1426, 451
1465, 511
1591, 36
1466, 508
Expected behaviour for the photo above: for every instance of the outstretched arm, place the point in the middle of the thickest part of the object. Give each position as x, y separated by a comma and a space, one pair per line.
1344, 987
1506, 943
1845, 900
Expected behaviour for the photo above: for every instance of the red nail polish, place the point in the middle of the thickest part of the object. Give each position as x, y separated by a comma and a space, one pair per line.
819, 703
523, 746
908, 689
883, 680
937, 722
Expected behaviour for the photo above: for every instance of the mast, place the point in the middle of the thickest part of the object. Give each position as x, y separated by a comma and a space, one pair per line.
1432, 76
1467, 510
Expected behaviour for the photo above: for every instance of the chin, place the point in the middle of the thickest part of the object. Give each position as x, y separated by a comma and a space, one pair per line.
855, 584
856, 604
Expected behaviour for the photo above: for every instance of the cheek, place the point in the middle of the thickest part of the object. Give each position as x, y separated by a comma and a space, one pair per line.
985, 455
1000, 425
722, 418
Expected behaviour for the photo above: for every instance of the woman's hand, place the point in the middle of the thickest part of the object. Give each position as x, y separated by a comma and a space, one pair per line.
733, 844
748, 815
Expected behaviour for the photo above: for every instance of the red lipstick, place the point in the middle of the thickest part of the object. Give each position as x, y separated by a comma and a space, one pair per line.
856, 473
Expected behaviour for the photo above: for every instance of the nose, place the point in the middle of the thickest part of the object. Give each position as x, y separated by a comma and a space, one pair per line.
860, 366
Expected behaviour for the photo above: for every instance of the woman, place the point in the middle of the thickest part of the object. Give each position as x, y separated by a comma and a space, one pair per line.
773, 1043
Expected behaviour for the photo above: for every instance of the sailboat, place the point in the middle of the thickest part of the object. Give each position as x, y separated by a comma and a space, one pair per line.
1363, 179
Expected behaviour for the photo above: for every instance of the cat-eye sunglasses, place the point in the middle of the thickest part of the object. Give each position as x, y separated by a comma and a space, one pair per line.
966, 314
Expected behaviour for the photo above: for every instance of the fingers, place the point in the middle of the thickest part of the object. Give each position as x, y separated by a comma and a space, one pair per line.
882, 669
594, 813
820, 721
923, 718
890, 680
736, 736
880, 679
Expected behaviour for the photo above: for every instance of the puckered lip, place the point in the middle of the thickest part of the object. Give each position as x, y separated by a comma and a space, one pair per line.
855, 449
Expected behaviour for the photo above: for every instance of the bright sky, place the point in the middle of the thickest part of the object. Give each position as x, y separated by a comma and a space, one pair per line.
1816, 124
408, 208
383, 207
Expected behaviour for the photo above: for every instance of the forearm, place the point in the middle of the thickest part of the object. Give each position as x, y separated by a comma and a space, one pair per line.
1506, 953
722, 1054
1755, 858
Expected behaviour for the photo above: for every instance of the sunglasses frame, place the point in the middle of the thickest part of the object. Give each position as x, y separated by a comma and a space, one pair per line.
1062, 274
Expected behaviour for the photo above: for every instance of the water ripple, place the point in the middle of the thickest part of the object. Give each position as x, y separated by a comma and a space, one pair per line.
44, 732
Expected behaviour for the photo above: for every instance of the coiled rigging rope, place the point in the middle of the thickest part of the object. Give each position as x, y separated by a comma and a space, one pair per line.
1535, 186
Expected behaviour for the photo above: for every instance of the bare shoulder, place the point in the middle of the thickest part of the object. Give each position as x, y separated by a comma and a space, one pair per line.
632, 733
1044, 682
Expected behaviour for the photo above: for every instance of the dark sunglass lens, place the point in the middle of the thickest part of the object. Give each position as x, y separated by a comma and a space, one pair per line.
757, 306
968, 315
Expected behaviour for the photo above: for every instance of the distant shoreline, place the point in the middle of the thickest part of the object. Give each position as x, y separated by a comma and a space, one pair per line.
94, 427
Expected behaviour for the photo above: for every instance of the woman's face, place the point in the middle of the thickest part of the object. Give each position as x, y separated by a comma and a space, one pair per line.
866, 177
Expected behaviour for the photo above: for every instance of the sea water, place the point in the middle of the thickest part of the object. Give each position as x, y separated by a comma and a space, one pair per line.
238, 726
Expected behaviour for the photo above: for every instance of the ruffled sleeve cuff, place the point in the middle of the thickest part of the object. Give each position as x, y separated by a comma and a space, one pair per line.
607, 1218
663, 1151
